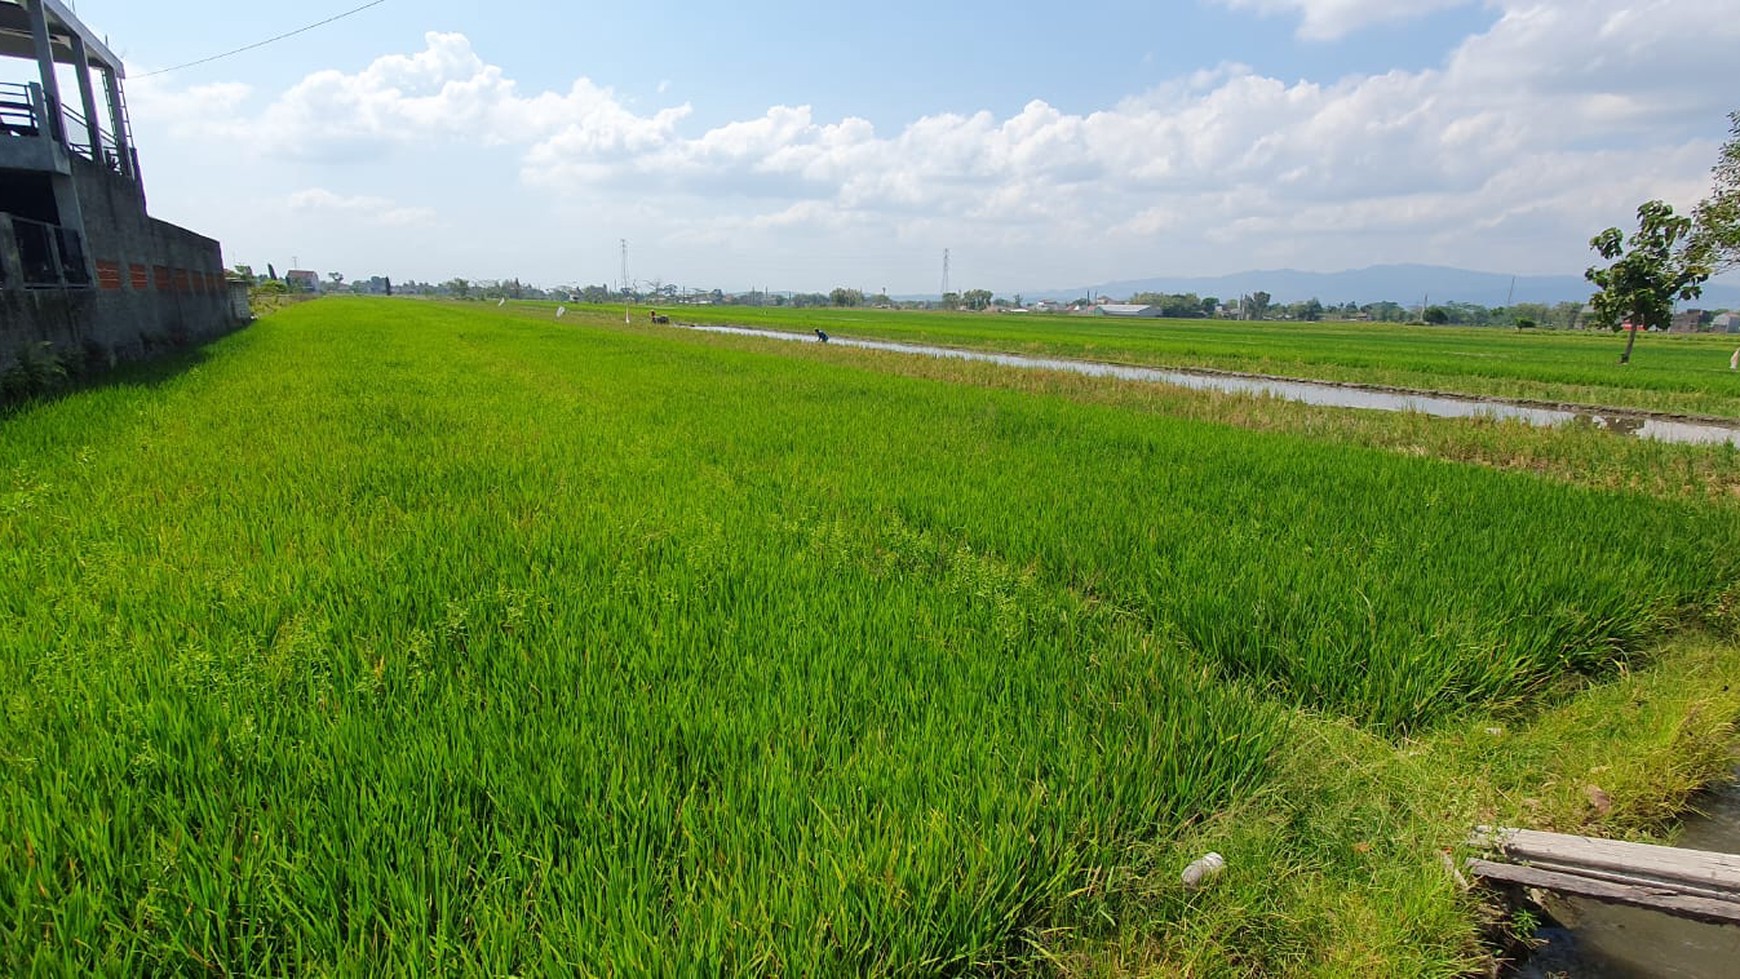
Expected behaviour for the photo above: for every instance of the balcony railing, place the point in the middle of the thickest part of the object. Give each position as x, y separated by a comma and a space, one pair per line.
18, 110
24, 109
78, 136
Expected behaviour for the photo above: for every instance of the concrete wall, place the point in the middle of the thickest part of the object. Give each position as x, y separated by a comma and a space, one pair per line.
154, 286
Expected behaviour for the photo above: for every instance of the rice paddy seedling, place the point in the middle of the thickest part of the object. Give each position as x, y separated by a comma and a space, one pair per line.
412, 637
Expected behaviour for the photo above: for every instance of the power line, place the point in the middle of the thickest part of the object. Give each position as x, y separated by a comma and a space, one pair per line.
269, 40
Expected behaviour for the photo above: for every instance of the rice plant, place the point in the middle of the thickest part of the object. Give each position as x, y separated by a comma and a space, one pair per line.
395, 636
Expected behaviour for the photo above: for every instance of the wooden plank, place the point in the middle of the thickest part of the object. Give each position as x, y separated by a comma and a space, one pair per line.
1716, 871
1651, 898
1640, 879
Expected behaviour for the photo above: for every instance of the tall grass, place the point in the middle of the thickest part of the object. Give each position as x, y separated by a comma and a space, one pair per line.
398, 636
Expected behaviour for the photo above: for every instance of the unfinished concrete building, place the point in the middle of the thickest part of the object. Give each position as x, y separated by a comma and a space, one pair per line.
86, 276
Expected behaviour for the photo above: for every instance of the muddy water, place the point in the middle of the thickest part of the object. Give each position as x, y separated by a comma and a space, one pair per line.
1308, 392
1611, 942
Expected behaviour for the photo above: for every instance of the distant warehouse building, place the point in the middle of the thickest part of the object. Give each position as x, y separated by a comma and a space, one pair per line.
1129, 310
83, 268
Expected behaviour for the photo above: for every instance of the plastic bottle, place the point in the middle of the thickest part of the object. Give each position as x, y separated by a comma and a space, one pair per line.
1201, 871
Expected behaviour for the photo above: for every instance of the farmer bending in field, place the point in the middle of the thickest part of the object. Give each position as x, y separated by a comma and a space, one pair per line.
824, 338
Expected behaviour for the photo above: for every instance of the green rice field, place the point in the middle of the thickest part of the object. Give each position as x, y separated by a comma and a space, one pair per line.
1684, 374
400, 637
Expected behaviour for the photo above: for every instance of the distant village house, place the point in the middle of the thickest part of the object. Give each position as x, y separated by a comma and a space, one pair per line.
1689, 321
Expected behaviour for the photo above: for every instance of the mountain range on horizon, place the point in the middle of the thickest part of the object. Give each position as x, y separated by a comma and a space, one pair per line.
1408, 285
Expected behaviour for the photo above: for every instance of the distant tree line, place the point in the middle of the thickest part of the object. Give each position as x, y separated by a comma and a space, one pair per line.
1251, 306
1261, 306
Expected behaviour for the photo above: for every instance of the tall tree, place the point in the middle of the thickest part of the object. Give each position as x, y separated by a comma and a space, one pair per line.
977, 298
1537, 313
1567, 315
1717, 217
1259, 305
1657, 266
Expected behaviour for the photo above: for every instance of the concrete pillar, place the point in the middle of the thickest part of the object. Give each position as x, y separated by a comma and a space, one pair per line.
118, 120
88, 96
39, 112
38, 15
66, 201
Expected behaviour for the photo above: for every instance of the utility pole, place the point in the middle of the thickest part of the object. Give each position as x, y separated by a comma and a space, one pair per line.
945, 281
625, 289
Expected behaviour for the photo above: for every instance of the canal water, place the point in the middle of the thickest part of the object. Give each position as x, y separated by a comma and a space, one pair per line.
1606, 941
1308, 392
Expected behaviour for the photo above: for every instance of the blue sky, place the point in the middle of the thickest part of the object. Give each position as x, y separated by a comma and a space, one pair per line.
802, 146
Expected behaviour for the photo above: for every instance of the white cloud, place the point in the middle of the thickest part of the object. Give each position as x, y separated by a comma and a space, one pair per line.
1524, 95
444, 91
374, 210
202, 110
1552, 123
1327, 20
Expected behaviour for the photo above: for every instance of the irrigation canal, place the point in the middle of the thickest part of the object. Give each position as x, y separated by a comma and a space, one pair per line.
1607, 941
1640, 424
